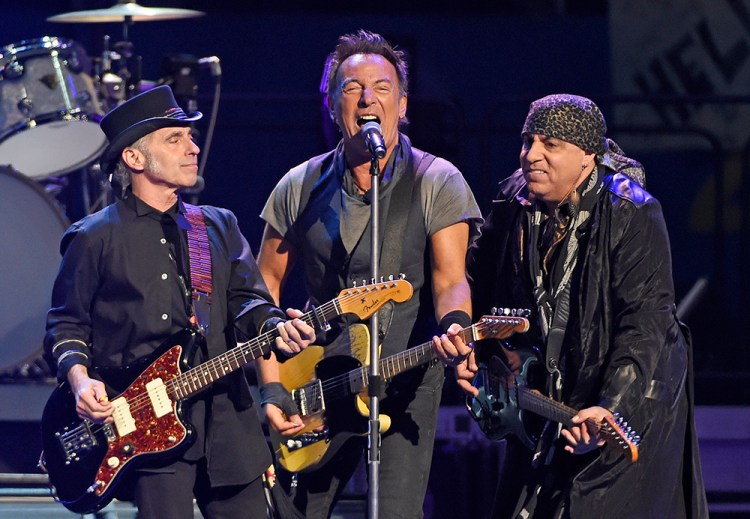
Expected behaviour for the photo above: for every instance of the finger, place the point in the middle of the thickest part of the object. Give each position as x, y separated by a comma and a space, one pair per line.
287, 348
467, 387
296, 420
448, 346
585, 436
294, 313
305, 331
471, 362
569, 438
439, 348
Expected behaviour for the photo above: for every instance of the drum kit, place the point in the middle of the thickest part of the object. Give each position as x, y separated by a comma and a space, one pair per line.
52, 97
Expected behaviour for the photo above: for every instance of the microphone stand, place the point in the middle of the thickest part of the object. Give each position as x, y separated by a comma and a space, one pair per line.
374, 385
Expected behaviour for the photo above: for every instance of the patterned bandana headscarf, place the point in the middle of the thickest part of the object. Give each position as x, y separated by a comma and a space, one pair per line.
579, 121
570, 118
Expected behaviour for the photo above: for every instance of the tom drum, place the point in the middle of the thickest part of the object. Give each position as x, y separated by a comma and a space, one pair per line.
49, 109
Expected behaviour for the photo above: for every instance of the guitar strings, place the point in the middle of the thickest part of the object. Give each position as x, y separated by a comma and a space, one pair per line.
336, 387
253, 347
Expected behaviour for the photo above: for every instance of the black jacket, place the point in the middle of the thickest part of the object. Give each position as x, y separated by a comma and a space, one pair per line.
624, 347
118, 297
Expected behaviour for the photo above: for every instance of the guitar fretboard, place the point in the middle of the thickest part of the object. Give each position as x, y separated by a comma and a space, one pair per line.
544, 406
487, 327
362, 301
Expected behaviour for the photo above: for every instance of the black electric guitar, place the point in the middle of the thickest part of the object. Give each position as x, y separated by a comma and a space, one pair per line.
319, 376
506, 395
87, 460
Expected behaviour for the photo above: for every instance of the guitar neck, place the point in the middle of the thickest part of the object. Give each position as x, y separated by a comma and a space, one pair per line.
404, 361
544, 406
613, 430
205, 374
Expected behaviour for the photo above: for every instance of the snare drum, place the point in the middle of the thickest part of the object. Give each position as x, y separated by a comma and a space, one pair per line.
31, 226
49, 109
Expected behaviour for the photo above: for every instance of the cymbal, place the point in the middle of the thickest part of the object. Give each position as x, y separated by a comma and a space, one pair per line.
125, 10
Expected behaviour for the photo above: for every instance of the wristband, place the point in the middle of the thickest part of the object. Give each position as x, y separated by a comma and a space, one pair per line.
275, 393
456, 316
271, 323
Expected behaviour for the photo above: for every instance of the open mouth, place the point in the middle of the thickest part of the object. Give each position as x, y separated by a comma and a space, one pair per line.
361, 121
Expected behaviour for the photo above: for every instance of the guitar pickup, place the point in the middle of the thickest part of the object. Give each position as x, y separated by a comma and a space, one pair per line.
309, 398
308, 438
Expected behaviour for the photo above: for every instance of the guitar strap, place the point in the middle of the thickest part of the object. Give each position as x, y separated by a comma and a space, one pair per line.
199, 251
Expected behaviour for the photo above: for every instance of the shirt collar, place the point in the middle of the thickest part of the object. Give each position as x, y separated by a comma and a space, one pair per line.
141, 208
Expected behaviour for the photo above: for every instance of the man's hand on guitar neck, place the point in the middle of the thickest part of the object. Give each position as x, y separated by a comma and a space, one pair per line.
294, 334
451, 349
583, 434
91, 396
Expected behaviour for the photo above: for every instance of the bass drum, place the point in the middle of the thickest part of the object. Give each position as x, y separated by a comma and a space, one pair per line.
31, 226
49, 108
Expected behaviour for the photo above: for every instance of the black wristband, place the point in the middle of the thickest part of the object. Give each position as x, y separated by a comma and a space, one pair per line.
455, 316
271, 323
275, 393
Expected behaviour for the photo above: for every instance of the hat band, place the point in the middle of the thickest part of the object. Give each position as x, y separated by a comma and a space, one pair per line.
175, 113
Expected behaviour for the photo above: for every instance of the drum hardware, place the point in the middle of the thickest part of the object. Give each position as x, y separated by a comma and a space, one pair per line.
48, 103
118, 71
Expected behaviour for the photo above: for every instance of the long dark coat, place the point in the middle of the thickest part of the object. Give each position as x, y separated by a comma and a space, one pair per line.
625, 350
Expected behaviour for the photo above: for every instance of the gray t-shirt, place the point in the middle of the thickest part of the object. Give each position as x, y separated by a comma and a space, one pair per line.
445, 197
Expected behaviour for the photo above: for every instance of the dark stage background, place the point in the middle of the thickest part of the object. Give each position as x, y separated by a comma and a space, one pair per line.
474, 70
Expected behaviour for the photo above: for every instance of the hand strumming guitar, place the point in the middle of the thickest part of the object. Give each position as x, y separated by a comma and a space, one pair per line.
91, 396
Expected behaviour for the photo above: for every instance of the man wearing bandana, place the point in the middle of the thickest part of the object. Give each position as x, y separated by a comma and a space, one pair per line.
574, 237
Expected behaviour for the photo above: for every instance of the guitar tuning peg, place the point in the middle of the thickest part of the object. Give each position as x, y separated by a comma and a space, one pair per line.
354, 284
382, 279
494, 310
401, 275
390, 278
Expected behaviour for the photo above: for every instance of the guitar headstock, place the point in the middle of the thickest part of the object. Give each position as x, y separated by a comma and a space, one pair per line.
499, 326
618, 434
365, 300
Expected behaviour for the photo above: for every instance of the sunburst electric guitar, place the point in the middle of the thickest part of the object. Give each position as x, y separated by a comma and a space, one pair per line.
319, 377
86, 461
508, 404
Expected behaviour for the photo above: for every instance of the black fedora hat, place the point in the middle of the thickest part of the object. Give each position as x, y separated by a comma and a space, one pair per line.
139, 116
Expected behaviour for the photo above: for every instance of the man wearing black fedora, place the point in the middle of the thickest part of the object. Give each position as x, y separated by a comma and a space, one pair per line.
148, 267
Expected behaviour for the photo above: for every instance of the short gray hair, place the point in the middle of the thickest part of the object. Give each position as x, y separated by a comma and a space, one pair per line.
120, 179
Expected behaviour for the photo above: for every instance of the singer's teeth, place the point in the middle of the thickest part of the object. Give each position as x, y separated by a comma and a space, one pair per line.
366, 119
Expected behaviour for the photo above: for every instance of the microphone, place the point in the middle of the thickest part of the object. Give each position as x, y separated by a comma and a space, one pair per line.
374, 139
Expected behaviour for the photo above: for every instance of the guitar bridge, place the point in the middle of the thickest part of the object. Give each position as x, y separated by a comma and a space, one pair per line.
308, 438
76, 441
309, 398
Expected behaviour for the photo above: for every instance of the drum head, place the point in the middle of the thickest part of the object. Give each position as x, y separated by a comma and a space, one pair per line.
31, 226
53, 148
